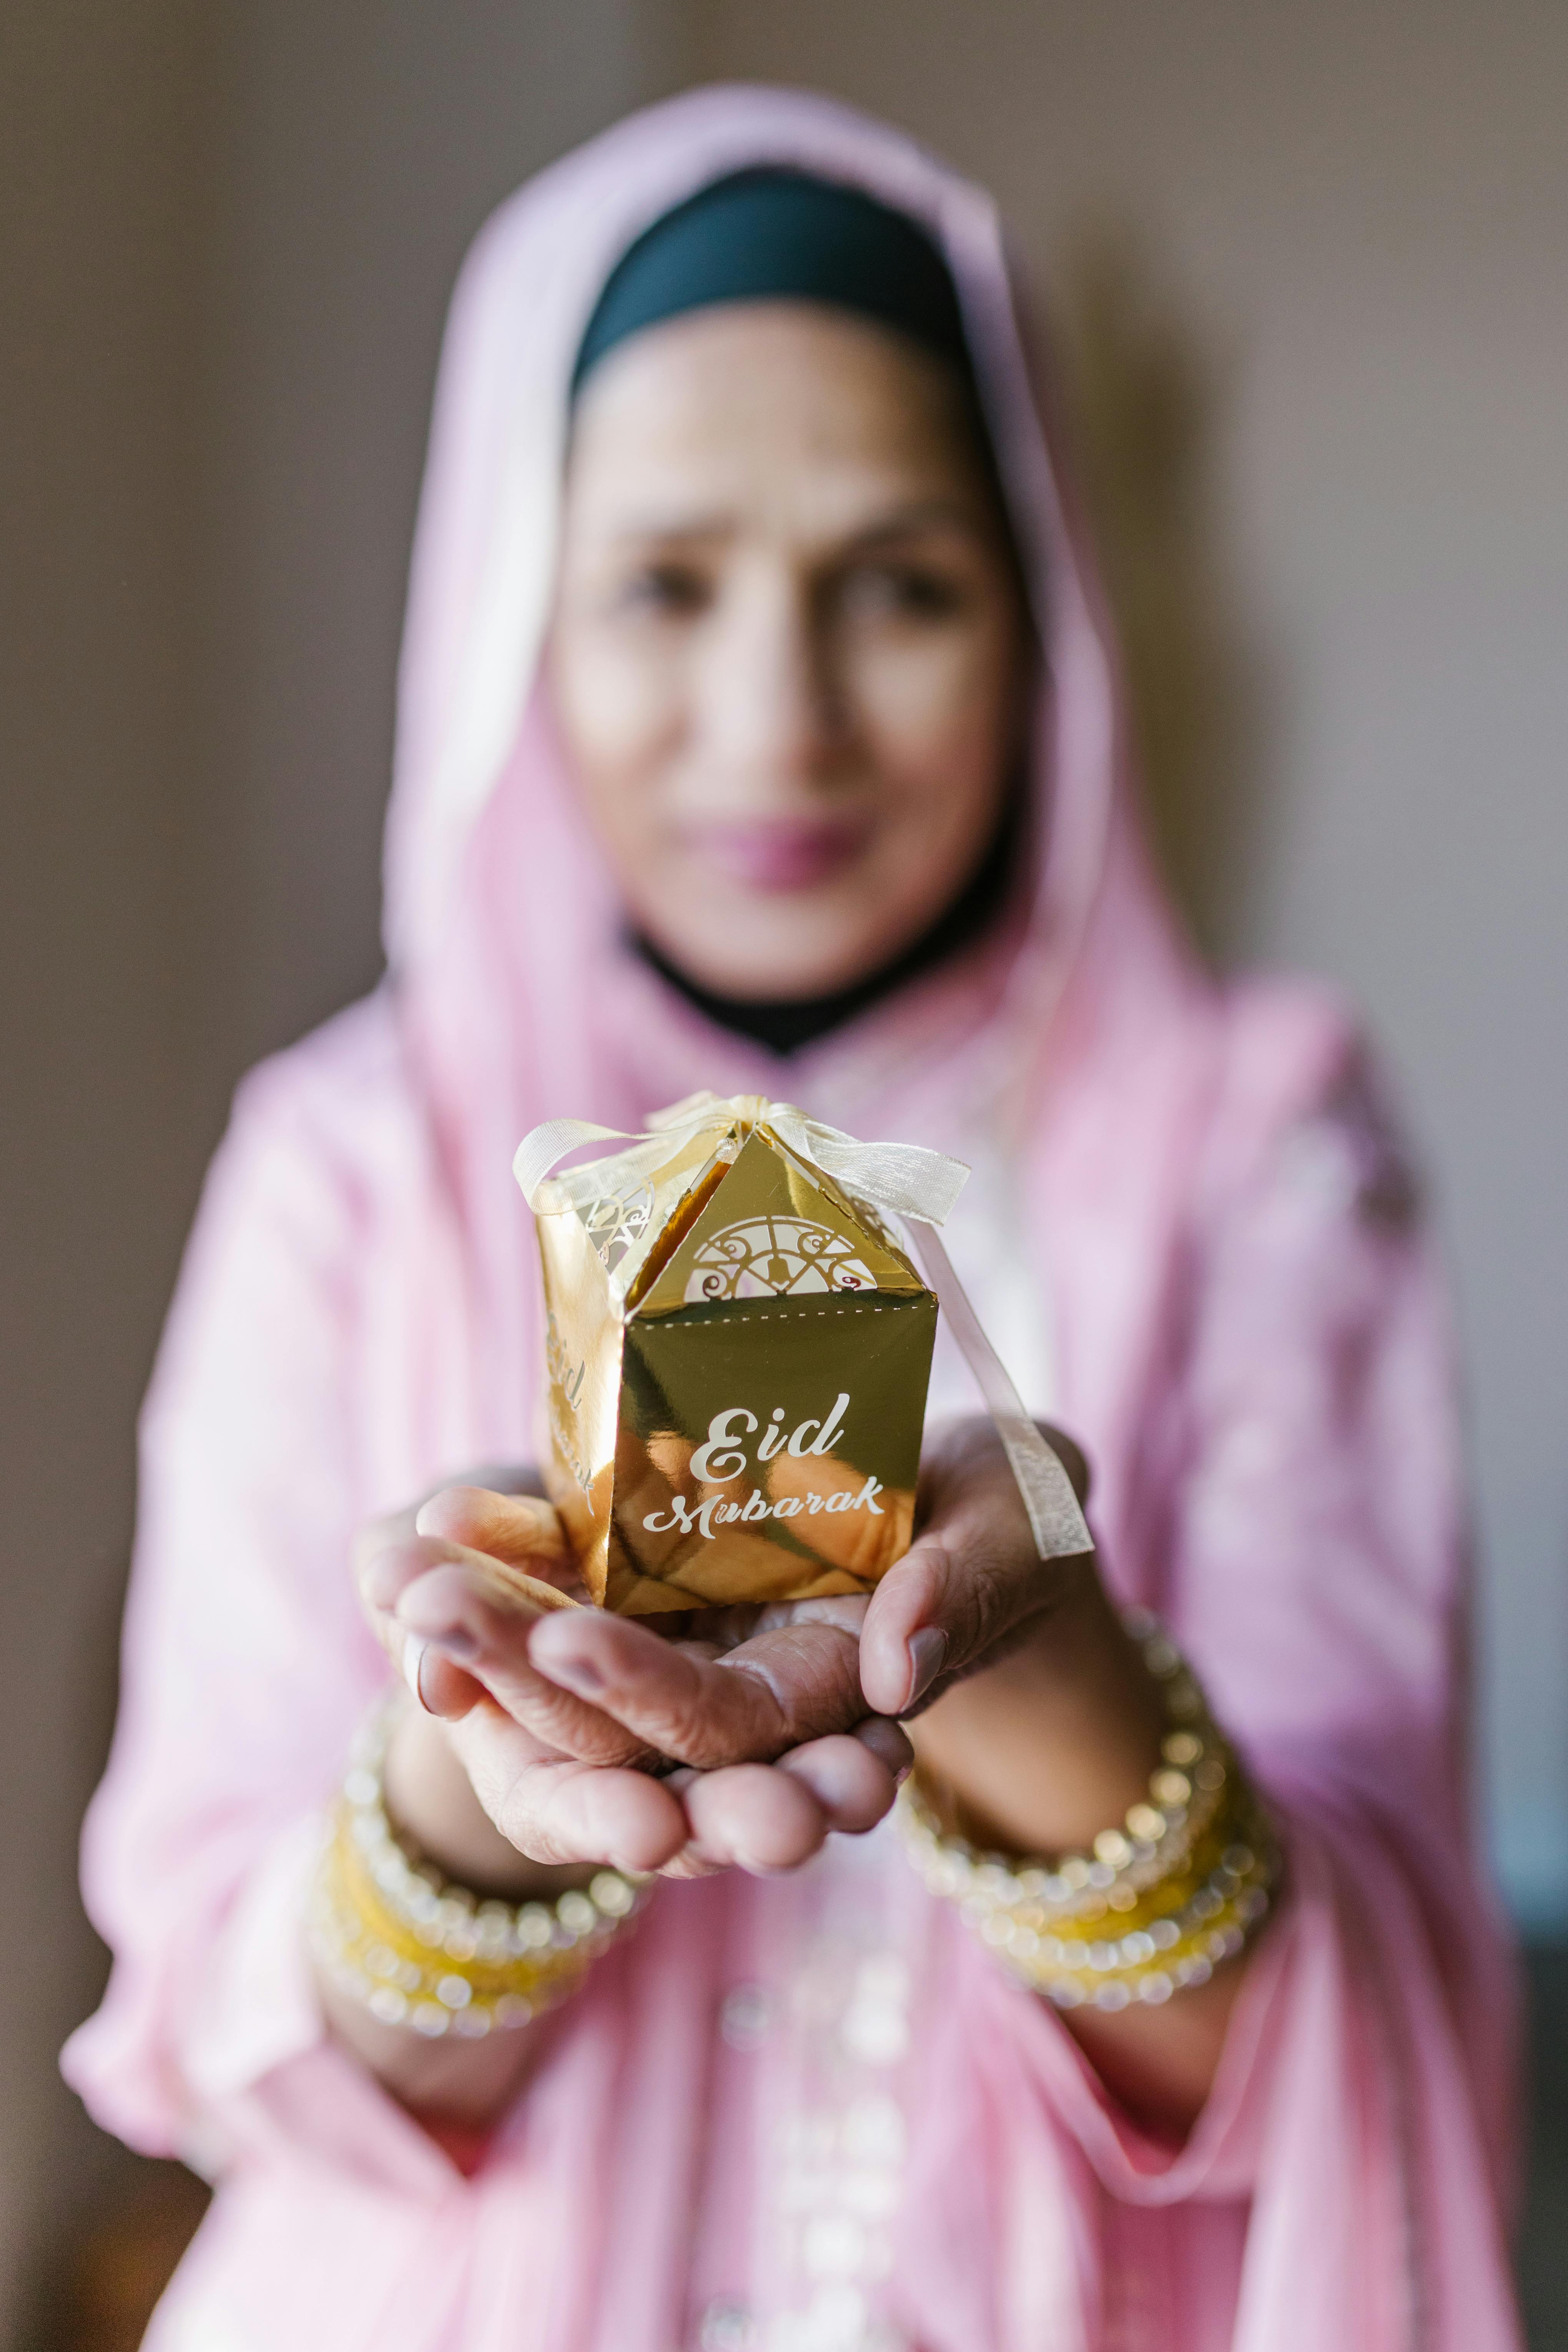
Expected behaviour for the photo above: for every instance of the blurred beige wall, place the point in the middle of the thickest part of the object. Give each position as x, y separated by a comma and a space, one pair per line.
1330, 350
365, 142
227, 239
104, 172
1355, 223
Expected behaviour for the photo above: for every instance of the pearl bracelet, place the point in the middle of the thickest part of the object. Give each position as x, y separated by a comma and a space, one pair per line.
1168, 1897
417, 1950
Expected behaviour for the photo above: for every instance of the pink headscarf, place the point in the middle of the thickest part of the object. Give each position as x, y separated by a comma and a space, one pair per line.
495, 896
1244, 1329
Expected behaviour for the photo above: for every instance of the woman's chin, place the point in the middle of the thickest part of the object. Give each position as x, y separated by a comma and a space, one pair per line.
754, 957
771, 946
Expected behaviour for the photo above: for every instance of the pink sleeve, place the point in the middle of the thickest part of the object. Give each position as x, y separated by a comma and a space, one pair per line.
1312, 1566
246, 1664
1319, 1575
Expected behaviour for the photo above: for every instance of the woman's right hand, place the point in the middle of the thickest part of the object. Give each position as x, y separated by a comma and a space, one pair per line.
545, 1775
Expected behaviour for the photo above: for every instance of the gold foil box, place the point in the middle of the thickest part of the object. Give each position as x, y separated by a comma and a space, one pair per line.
737, 1354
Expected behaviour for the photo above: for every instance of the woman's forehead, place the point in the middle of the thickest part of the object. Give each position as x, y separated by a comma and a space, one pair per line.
767, 402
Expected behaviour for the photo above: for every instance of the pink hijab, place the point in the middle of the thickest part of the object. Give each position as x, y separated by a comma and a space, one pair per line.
1243, 1327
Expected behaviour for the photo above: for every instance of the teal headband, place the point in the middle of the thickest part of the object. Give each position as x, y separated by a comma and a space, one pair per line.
769, 236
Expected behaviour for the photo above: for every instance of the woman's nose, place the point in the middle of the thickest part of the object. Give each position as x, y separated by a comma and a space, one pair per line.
766, 702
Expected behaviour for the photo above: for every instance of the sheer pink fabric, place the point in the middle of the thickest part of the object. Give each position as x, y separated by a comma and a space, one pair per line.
809, 2112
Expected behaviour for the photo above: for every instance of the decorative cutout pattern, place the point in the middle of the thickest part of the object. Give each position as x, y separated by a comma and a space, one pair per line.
616, 1224
777, 1257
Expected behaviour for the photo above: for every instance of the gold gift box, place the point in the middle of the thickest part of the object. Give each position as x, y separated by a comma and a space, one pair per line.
737, 1354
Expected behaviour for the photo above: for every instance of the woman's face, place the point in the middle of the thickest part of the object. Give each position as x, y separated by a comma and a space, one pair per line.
788, 655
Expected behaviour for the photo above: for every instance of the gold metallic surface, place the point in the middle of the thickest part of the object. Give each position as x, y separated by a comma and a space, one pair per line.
737, 1356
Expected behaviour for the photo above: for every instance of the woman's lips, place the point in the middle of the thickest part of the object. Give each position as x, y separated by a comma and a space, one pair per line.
779, 853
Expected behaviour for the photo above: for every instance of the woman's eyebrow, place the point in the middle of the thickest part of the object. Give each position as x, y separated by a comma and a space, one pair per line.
668, 528
937, 514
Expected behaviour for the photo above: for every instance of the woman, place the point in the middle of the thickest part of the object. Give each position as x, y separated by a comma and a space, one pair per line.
759, 731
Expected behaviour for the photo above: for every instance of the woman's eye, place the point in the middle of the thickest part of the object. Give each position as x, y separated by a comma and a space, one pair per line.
674, 591
908, 592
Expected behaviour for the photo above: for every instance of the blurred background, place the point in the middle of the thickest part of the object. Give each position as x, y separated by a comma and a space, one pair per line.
1307, 265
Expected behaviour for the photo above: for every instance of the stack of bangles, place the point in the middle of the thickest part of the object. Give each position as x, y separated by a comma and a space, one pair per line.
1157, 1904
418, 1951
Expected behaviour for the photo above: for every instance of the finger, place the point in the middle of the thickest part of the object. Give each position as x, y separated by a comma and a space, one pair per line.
449, 1608
794, 1683
383, 1571
756, 1817
378, 1575
378, 1536
442, 1688
726, 1628
971, 1581
557, 1809
947, 1605
852, 1784
691, 1861
382, 1574
437, 1684
385, 1575
888, 1741
1073, 1459
903, 1643
525, 1525
388, 1556
958, 1451
522, 1530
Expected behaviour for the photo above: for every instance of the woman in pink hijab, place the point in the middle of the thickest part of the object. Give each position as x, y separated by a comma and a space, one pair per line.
760, 731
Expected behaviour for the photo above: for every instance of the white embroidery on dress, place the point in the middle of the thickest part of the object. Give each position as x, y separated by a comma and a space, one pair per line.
840, 2161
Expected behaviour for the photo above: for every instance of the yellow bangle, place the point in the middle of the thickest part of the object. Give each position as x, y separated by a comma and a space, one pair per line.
1159, 1913
417, 1950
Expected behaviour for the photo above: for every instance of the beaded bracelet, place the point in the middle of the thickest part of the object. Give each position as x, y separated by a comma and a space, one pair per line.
1157, 1834
416, 1949
1170, 1901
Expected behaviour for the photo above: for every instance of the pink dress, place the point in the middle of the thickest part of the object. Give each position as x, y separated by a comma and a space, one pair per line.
813, 2111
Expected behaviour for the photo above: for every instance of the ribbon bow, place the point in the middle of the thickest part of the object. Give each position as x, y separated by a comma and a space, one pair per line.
901, 1180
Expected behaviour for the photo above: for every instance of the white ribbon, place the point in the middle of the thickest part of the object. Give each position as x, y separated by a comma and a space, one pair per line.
901, 1180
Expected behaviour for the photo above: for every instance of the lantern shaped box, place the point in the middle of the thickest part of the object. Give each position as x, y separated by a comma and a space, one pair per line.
737, 1354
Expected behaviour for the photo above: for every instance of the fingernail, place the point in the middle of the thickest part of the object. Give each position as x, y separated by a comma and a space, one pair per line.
928, 1654
452, 1641
887, 1742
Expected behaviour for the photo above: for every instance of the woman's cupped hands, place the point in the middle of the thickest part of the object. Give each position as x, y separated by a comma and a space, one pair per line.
715, 1739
